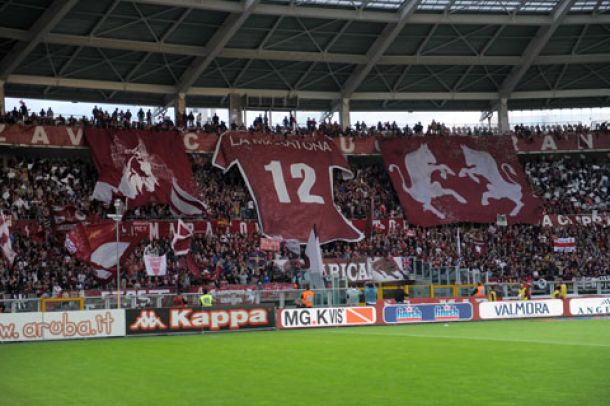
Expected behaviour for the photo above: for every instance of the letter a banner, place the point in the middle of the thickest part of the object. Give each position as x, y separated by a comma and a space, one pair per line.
442, 180
291, 182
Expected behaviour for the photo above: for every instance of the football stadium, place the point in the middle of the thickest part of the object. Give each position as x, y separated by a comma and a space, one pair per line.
300, 202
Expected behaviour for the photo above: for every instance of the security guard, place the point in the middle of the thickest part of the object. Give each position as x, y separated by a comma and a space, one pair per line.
307, 298
522, 293
492, 296
206, 299
479, 291
556, 293
563, 290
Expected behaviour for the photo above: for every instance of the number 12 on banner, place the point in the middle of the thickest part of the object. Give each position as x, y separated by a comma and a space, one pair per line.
297, 171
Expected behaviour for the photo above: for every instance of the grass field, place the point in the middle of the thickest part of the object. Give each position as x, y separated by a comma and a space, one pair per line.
486, 363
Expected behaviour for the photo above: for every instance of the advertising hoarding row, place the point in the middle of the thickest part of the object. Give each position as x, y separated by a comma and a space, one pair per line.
16, 327
61, 325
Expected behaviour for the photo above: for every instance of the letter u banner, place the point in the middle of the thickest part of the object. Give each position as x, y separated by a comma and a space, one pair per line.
520, 309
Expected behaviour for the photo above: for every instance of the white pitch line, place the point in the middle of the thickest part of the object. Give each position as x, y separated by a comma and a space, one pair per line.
340, 331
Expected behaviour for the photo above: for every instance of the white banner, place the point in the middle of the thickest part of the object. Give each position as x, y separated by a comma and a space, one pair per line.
327, 317
378, 269
61, 325
590, 306
521, 309
155, 266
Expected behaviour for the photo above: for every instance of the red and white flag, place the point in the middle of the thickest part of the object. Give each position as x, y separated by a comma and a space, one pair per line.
192, 266
156, 265
181, 243
291, 182
97, 245
564, 244
270, 244
5, 241
145, 167
446, 180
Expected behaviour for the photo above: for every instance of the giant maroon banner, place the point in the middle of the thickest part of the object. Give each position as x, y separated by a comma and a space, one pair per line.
144, 167
291, 182
442, 180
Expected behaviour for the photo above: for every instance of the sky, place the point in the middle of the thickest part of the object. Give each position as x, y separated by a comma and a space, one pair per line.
558, 116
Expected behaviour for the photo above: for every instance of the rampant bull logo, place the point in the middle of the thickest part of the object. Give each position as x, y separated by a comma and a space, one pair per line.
421, 164
480, 164
142, 171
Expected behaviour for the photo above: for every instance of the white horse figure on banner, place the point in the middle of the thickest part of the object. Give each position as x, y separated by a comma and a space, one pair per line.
421, 165
482, 164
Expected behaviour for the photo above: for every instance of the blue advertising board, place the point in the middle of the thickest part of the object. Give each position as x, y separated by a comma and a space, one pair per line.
426, 313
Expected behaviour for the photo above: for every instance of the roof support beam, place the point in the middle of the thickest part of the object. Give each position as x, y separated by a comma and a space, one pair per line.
534, 48
214, 47
319, 95
376, 51
236, 53
47, 21
336, 13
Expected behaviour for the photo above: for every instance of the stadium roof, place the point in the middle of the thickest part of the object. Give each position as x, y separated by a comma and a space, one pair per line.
380, 54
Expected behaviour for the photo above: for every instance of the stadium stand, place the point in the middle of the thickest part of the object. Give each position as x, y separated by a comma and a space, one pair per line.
32, 186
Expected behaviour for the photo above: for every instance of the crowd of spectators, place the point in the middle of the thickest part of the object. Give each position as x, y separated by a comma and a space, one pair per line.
569, 185
194, 120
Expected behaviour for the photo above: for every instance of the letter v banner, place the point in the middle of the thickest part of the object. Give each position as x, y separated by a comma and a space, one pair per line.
443, 180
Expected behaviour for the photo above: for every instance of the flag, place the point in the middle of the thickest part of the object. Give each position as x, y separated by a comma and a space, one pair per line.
192, 266
103, 275
564, 244
145, 168
156, 265
479, 247
5, 241
97, 245
368, 228
314, 256
257, 259
293, 246
181, 243
269, 244
65, 217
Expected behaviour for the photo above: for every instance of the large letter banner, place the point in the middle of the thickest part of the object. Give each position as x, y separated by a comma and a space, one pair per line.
145, 167
442, 180
290, 180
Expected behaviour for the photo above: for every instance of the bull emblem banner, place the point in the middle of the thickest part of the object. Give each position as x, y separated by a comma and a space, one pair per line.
145, 168
442, 180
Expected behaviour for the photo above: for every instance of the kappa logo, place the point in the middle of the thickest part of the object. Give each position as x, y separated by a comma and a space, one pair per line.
147, 321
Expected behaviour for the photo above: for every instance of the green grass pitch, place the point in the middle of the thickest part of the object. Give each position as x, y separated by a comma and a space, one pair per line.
485, 363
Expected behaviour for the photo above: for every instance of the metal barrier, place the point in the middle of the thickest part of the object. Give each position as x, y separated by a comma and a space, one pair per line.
322, 297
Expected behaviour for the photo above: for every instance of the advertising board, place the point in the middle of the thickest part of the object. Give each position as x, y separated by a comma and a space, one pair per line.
520, 309
61, 325
590, 306
426, 313
327, 317
185, 320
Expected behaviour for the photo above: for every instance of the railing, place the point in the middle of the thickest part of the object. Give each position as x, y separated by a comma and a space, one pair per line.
322, 297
